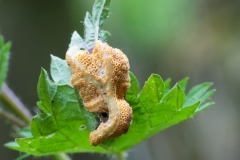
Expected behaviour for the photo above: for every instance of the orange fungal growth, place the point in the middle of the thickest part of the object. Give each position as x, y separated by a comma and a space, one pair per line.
102, 78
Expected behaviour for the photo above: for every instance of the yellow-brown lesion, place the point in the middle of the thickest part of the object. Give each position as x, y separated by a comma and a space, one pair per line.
102, 80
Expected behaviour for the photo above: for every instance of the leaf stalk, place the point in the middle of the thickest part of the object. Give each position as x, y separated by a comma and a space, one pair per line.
14, 104
60, 156
12, 119
120, 156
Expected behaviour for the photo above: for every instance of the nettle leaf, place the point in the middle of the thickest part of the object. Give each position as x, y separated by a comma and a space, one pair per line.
60, 128
103, 35
60, 71
183, 83
92, 25
100, 11
65, 124
167, 84
25, 132
154, 111
76, 39
89, 31
4, 57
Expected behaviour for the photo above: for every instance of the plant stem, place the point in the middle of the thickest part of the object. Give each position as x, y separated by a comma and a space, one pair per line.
60, 156
17, 107
120, 156
12, 119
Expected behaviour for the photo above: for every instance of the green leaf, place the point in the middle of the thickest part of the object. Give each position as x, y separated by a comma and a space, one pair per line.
61, 127
25, 132
76, 39
196, 93
167, 84
4, 57
204, 98
183, 83
135, 88
64, 124
60, 71
140, 123
155, 87
204, 106
100, 11
155, 114
89, 118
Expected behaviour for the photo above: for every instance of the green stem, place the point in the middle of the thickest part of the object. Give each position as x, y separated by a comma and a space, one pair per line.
60, 156
12, 119
14, 104
120, 156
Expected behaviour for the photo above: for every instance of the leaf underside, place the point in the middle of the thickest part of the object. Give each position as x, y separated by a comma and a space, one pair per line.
92, 26
64, 124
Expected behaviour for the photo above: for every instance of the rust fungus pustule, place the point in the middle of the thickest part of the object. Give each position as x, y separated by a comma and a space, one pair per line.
102, 78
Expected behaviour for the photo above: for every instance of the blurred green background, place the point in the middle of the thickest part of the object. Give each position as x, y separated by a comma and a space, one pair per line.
199, 39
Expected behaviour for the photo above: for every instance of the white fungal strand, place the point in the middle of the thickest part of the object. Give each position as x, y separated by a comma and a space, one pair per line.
102, 79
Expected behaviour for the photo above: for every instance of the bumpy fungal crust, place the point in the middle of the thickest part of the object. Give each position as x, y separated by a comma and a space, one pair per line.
102, 80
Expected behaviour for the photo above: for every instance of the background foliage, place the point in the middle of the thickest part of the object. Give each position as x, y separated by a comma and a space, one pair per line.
199, 39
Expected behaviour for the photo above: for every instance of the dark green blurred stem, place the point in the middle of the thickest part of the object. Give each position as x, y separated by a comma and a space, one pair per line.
12, 119
60, 156
14, 104
18, 108
118, 155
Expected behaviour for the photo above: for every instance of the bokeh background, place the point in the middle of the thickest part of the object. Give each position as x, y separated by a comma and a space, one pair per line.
199, 39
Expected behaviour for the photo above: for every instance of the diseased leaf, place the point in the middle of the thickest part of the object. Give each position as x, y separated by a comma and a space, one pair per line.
4, 57
151, 119
64, 124
100, 11
61, 127
89, 118
140, 123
